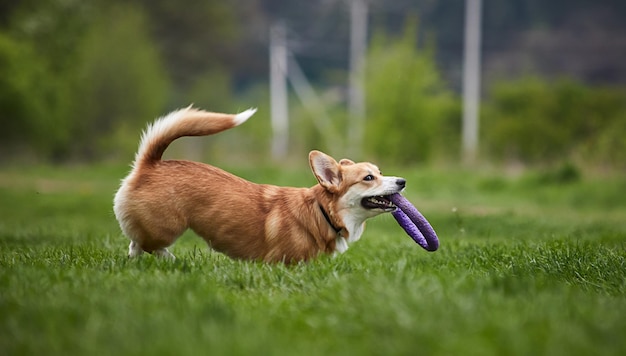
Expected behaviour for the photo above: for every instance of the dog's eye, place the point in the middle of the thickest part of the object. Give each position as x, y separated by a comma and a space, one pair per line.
368, 177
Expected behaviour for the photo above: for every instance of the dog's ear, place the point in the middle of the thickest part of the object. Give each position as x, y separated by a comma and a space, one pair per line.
326, 170
346, 162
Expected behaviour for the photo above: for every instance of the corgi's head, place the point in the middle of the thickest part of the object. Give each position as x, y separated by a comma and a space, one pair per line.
359, 190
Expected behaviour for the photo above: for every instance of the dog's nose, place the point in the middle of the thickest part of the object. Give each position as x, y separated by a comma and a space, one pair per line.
401, 182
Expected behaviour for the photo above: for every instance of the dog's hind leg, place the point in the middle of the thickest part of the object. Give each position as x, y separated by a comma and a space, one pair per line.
134, 249
151, 236
164, 253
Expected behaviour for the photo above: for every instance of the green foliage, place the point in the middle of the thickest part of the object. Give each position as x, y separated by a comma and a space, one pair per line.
78, 80
212, 91
47, 34
412, 116
563, 174
18, 80
534, 121
32, 101
121, 82
195, 37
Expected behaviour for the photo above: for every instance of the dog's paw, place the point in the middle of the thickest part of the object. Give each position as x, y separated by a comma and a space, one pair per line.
134, 250
164, 253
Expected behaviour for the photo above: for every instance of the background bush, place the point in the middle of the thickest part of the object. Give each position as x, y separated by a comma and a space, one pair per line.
80, 94
411, 115
534, 121
32, 98
121, 83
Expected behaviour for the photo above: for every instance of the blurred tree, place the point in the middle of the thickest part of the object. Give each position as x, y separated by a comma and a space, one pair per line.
19, 76
121, 83
194, 36
37, 62
534, 121
411, 116
75, 73
523, 121
212, 90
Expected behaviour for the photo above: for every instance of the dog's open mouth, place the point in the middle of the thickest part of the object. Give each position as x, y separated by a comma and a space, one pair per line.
378, 202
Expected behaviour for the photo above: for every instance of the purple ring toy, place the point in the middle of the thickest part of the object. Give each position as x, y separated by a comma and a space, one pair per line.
414, 223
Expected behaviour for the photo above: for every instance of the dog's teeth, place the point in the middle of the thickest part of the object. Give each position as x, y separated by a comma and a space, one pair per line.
381, 201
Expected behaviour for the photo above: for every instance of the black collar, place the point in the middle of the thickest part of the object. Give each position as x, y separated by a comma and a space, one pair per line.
328, 219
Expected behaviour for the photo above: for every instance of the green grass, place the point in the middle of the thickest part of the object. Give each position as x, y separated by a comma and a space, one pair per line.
527, 266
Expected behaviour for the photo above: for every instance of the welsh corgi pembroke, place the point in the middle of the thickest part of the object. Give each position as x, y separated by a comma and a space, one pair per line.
160, 199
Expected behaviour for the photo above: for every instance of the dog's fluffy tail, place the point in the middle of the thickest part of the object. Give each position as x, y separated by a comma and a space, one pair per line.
184, 122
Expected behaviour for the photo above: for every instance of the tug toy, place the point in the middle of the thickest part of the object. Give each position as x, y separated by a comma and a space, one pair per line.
414, 223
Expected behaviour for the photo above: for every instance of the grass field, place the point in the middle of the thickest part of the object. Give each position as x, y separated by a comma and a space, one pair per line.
527, 266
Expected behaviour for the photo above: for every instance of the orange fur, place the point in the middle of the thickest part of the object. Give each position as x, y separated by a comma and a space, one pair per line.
160, 199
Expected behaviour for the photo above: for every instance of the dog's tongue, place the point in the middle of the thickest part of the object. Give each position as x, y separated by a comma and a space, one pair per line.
414, 223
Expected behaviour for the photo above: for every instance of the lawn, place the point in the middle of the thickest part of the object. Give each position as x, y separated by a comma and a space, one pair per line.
532, 265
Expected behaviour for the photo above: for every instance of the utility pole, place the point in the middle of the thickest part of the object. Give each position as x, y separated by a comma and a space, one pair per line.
278, 91
356, 95
471, 80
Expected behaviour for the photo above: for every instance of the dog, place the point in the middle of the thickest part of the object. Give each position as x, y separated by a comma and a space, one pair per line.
160, 199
